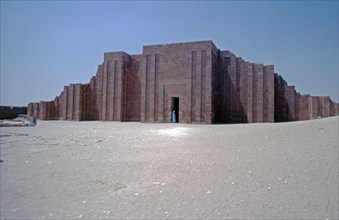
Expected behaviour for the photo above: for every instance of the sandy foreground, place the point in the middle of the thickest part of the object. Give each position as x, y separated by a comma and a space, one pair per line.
106, 170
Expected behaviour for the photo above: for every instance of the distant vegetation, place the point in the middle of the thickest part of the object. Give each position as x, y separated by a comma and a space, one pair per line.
8, 112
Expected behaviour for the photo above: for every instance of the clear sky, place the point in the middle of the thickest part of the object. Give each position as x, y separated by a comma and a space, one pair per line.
48, 44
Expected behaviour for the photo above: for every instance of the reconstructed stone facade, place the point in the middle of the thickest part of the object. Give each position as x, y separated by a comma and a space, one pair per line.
201, 83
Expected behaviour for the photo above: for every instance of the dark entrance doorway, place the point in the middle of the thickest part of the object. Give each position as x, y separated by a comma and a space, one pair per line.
175, 110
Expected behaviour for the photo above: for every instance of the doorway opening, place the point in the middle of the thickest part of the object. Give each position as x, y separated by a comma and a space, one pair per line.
175, 110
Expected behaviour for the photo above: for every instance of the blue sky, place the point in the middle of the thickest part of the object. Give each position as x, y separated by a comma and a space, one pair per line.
48, 44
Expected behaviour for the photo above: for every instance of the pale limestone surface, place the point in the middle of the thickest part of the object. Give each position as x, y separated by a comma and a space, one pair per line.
100, 170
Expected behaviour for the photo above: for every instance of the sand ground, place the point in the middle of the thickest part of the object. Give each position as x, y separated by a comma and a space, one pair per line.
111, 170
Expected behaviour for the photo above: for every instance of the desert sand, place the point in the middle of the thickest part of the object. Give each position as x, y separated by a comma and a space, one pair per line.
113, 170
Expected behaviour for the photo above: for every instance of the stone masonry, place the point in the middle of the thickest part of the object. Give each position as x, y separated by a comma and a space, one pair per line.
201, 83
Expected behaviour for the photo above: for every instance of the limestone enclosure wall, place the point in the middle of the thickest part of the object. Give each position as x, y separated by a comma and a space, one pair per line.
196, 80
247, 90
293, 106
177, 71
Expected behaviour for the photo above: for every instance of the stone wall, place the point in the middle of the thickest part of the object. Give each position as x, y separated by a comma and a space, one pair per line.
293, 106
200, 82
132, 89
96, 84
247, 89
112, 85
72, 104
280, 101
182, 71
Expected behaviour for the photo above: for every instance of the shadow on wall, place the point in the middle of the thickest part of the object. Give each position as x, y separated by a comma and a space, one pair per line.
228, 107
281, 108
